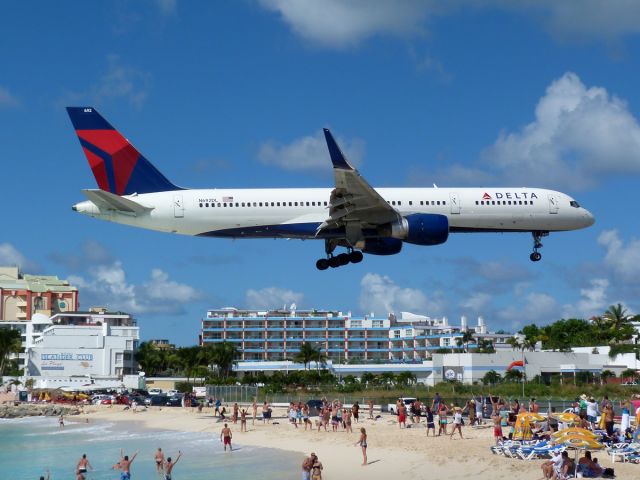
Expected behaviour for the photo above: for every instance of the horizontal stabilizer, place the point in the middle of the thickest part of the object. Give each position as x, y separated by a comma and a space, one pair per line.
109, 201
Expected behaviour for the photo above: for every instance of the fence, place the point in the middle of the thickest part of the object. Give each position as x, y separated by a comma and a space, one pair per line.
233, 393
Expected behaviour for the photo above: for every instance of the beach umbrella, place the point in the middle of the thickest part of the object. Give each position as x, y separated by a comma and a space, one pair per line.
522, 427
578, 442
574, 431
568, 417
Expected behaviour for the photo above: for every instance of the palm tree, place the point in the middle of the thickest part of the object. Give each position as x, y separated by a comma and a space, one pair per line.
405, 378
10, 342
225, 356
149, 358
515, 343
307, 354
465, 339
189, 359
491, 378
605, 375
618, 323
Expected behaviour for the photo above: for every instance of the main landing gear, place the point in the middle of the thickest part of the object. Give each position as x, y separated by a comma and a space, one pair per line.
537, 243
335, 261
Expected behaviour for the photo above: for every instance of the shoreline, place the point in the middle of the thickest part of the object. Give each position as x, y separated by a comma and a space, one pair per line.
392, 451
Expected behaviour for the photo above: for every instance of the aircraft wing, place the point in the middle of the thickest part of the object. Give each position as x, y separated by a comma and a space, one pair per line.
108, 201
354, 204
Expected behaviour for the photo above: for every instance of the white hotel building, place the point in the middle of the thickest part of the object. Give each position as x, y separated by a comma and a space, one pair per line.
277, 335
86, 346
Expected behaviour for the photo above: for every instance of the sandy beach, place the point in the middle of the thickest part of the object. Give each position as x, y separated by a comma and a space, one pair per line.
393, 452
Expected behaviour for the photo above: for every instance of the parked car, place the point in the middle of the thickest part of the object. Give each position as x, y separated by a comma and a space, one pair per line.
171, 393
315, 406
155, 391
176, 401
156, 400
406, 400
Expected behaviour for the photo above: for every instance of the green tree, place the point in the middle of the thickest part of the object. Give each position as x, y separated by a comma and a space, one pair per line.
465, 339
485, 346
606, 375
491, 378
10, 342
307, 354
405, 378
513, 376
224, 357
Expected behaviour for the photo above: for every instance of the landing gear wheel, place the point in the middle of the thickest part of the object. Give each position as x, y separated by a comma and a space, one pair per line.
322, 264
333, 262
535, 256
343, 258
355, 256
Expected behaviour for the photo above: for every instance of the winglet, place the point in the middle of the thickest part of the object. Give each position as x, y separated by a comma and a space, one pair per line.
337, 157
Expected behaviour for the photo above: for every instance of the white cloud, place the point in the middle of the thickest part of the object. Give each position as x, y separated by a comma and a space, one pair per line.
477, 302
381, 295
337, 23
119, 81
593, 300
535, 307
272, 297
309, 153
7, 99
11, 256
343, 23
107, 285
578, 136
621, 259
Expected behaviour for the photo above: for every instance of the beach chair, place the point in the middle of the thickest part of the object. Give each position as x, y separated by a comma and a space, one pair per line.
623, 451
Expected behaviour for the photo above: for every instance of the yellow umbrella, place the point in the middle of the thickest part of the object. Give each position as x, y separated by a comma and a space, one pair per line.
522, 427
574, 431
568, 417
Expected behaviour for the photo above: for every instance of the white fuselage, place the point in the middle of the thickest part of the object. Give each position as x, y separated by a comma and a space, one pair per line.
297, 212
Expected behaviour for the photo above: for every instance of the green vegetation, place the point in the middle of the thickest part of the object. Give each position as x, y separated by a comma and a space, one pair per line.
613, 328
213, 362
10, 343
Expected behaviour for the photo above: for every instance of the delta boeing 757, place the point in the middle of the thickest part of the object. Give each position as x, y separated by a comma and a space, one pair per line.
352, 214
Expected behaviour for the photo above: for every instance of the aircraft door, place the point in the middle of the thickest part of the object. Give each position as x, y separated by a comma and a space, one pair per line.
178, 206
455, 202
553, 204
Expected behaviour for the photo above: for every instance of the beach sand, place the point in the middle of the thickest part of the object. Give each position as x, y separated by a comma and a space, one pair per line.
393, 453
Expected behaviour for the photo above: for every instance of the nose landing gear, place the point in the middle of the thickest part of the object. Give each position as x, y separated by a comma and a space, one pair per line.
537, 243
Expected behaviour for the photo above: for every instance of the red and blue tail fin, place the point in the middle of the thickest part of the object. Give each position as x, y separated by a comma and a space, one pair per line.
118, 167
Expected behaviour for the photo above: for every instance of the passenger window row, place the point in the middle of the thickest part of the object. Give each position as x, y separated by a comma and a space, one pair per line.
262, 204
504, 202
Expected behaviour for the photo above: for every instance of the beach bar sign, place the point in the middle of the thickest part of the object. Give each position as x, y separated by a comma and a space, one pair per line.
56, 361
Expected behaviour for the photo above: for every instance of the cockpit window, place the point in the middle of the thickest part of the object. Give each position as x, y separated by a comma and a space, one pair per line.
574, 204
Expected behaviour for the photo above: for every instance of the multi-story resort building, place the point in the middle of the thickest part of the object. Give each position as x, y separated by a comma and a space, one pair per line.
278, 335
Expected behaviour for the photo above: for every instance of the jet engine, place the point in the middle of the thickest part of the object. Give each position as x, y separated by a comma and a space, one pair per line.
419, 229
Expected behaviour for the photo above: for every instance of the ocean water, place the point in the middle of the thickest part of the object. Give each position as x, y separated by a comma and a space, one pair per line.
31, 445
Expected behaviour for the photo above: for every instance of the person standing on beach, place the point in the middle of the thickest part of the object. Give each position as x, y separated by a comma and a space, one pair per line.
307, 465
430, 425
159, 458
402, 415
125, 465
168, 467
355, 409
363, 445
443, 410
370, 403
254, 408
218, 404
82, 466
225, 437
316, 469
457, 421
243, 420
61, 421
435, 405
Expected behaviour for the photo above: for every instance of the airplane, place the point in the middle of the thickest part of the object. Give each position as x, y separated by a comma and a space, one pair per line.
351, 215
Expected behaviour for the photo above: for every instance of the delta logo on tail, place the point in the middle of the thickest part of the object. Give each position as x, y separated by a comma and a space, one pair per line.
116, 164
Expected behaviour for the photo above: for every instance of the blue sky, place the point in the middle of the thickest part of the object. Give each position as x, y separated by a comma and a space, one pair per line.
235, 94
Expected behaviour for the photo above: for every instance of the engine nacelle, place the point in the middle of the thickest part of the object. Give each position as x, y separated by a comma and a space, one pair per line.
420, 229
382, 246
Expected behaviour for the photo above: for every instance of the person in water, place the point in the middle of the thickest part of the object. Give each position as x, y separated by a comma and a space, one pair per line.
168, 466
